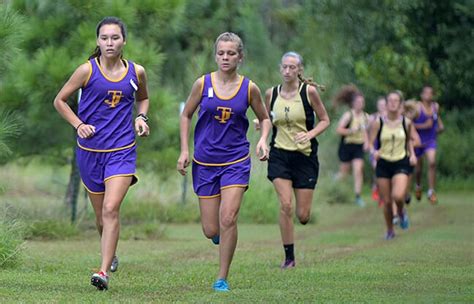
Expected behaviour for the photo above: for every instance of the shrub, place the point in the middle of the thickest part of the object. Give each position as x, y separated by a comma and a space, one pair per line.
11, 242
54, 229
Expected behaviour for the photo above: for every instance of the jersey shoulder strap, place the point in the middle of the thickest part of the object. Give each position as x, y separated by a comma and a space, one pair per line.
380, 130
275, 91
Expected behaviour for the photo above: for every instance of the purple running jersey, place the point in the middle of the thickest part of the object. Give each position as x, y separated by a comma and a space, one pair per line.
107, 104
427, 136
220, 136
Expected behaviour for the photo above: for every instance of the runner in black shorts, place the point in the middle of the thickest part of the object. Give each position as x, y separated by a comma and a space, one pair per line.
293, 163
394, 157
354, 139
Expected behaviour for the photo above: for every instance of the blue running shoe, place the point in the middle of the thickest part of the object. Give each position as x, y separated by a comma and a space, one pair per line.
404, 222
216, 239
390, 235
221, 285
360, 202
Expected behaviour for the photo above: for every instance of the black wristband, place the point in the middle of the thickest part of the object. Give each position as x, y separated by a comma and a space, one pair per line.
77, 128
142, 116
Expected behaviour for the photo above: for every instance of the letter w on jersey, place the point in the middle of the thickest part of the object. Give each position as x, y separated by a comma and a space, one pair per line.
116, 96
225, 114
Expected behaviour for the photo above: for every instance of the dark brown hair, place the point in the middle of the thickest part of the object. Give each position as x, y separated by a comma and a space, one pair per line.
108, 20
347, 94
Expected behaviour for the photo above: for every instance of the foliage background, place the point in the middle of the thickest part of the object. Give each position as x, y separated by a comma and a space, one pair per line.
377, 45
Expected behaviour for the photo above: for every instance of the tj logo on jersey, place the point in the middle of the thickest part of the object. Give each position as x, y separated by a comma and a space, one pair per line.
225, 114
116, 96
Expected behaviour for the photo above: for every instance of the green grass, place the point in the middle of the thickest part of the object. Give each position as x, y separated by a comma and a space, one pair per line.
342, 258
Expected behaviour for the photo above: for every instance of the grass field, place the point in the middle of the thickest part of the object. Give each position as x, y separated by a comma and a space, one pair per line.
341, 258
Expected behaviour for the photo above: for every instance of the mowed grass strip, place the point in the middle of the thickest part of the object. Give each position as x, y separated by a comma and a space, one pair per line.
341, 258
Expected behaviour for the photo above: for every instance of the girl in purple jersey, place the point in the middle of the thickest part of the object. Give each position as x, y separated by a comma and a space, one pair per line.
106, 152
428, 123
221, 162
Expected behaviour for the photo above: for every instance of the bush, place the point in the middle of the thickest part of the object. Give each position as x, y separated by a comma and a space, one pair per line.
11, 242
156, 212
336, 192
143, 231
55, 229
455, 157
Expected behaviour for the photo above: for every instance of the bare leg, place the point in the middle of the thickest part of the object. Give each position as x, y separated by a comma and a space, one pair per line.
344, 169
209, 208
384, 185
97, 201
304, 199
431, 158
283, 188
358, 173
399, 189
115, 190
231, 199
418, 170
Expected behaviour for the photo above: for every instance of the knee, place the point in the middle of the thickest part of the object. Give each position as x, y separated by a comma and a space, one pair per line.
398, 197
304, 217
286, 208
228, 220
210, 230
432, 164
109, 212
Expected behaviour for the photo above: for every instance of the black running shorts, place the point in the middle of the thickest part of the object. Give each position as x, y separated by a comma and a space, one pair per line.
302, 170
348, 152
387, 169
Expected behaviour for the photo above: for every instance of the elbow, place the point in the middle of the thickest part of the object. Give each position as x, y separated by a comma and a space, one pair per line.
57, 103
328, 122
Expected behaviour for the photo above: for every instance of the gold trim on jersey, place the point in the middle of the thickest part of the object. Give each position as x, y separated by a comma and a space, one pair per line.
223, 164
89, 75
121, 175
233, 95
248, 91
108, 78
235, 186
109, 150
209, 196
202, 85
136, 72
88, 190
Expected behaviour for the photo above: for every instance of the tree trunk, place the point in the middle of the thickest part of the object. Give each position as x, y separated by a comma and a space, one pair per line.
72, 192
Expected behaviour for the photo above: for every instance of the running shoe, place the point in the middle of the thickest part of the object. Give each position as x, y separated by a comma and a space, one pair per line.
287, 264
408, 199
221, 285
360, 202
390, 235
381, 203
395, 220
216, 239
432, 198
375, 194
100, 280
115, 264
418, 193
404, 221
